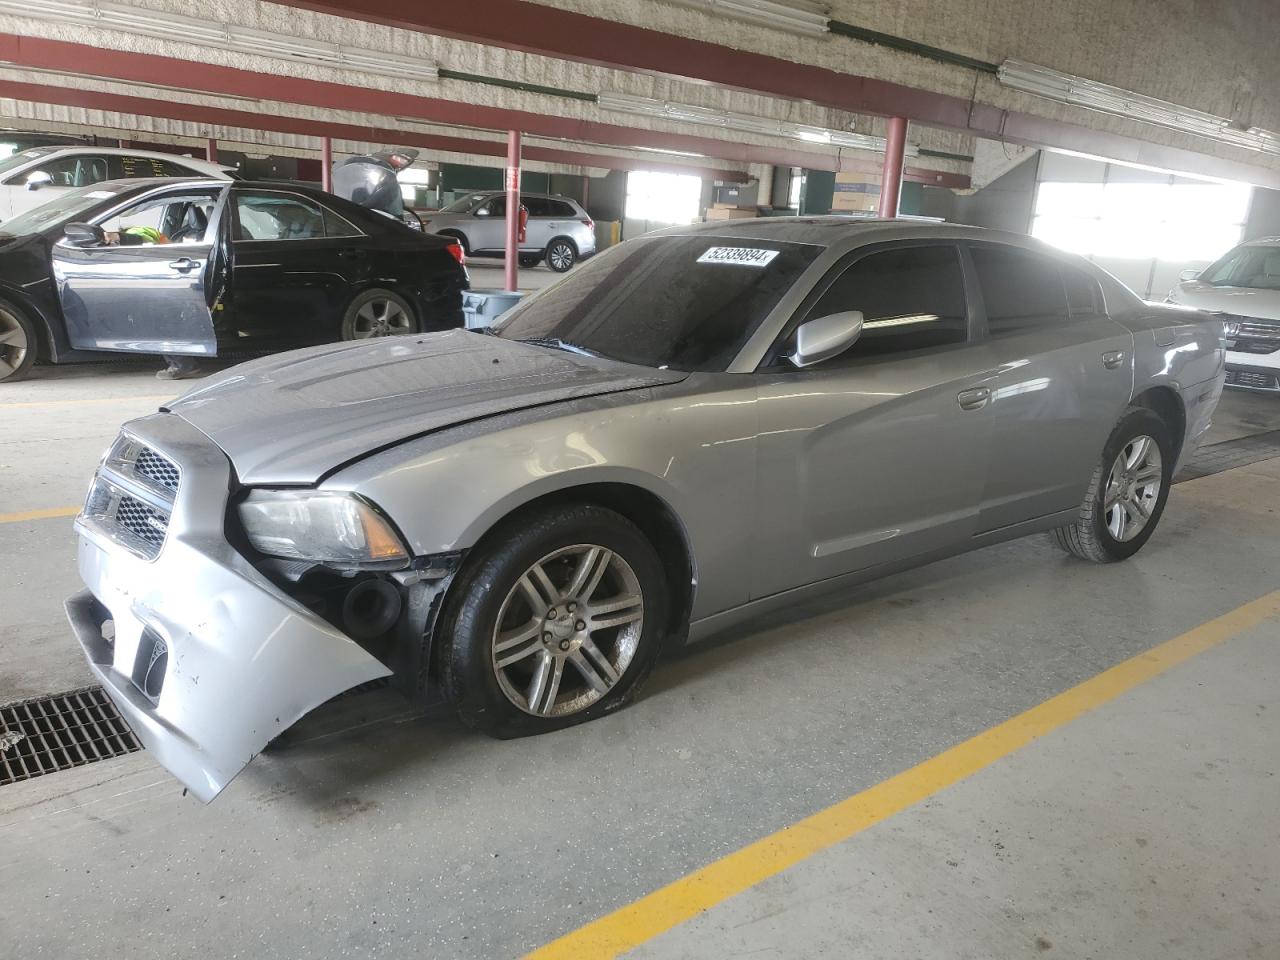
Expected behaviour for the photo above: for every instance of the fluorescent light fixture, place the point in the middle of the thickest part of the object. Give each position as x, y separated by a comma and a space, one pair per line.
742, 122
809, 19
1105, 98
224, 36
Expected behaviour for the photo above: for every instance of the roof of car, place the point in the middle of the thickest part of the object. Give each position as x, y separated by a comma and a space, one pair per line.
49, 150
829, 230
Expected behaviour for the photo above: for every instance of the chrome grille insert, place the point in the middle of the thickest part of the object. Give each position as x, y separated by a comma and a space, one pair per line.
132, 497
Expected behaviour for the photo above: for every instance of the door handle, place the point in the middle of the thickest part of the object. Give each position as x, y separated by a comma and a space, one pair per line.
974, 399
1112, 359
184, 265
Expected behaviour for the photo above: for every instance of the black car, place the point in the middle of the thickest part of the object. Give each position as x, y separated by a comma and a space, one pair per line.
205, 268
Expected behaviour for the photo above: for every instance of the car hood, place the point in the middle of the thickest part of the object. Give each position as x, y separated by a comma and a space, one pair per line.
295, 417
1243, 301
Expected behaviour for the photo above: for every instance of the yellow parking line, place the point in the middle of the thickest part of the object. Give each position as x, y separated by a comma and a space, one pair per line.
638, 922
45, 514
158, 398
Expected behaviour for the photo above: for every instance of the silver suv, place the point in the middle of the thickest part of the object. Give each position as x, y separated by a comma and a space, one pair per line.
558, 229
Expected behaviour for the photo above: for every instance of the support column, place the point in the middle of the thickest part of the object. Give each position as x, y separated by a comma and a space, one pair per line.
895, 148
211, 150
586, 191
513, 210
326, 164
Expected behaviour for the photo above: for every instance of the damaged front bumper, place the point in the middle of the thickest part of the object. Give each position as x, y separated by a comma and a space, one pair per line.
206, 658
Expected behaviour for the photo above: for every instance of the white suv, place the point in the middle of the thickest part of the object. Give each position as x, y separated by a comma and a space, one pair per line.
558, 228
1244, 287
32, 177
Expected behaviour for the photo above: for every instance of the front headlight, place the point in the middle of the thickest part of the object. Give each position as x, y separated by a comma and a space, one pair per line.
335, 528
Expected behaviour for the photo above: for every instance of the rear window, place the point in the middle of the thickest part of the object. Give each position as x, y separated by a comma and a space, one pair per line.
1022, 291
680, 303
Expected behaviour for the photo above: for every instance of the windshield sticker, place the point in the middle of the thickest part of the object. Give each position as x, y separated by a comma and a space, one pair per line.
745, 256
99, 194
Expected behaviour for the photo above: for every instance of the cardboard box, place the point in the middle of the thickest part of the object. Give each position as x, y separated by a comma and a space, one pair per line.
856, 192
732, 213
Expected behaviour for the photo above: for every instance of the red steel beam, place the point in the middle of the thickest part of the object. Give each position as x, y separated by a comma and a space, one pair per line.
543, 29
254, 120
210, 78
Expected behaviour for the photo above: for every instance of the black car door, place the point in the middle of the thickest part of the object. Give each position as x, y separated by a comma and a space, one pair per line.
295, 265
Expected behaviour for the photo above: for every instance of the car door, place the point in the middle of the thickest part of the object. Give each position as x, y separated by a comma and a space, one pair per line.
295, 265
1065, 376
879, 454
147, 297
488, 227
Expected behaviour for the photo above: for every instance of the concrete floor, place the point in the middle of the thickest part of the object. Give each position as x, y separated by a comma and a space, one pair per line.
1145, 829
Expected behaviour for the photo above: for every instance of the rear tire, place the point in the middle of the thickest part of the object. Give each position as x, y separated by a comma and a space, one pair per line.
561, 255
378, 313
556, 619
1127, 493
18, 343
528, 260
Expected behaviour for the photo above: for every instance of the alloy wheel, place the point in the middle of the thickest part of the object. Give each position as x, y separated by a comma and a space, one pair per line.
567, 630
560, 257
1133, 488
381, 318
13, 343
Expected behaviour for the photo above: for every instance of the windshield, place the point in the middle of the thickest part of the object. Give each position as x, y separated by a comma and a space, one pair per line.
23, 157
1253, 267
64, 208
682, 303
465, 203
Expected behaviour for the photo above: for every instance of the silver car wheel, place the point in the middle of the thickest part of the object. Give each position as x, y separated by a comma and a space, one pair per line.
381, 318
560, 257
1133, 488
13, 343
580, 608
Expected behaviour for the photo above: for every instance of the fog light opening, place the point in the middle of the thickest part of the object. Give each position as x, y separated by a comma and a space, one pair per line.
370, 609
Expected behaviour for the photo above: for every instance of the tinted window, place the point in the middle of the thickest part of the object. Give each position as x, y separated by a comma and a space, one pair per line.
537, 206
22, 158
497, 207
911, 298
129, 167
561, 209
337, 226
1022, 291
1083, 295
687, 303
74, 171
277, 216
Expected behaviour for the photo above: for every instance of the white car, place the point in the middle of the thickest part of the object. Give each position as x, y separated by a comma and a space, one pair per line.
1244, 287
32, 177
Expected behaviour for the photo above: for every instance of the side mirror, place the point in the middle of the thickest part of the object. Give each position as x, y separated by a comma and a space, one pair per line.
482, 212
84, 235
825, 337
1189, 274
41, 178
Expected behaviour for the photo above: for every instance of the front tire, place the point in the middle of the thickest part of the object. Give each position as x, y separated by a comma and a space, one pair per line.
18, 343
557, 618
378, 313
561, 255
1127, 494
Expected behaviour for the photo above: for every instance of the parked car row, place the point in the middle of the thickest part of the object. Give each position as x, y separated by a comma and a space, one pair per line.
557, 229
523, 521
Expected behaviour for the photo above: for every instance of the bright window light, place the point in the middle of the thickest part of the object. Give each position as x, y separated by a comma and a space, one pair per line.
663, 197
1178, 220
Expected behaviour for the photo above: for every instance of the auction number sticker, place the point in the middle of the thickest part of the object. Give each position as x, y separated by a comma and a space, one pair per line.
744, 256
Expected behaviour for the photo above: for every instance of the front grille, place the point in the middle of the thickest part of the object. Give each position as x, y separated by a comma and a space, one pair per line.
132, 497
157, 468
1253, 346
55, 733
141, 521
1252, 330
1253, 379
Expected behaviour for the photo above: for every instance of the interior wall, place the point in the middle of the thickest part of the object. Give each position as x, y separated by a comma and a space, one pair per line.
1004, 204
1264, 215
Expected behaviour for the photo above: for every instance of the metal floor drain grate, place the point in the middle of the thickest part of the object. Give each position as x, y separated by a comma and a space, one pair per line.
1230, 454
48, 734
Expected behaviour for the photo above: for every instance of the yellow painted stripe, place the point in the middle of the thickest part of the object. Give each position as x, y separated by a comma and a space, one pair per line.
44, 514
158, 398
686, 898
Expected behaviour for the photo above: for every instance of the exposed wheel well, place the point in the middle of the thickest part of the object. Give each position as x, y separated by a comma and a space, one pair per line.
656, 521
569, 240
1167, 405
44, 352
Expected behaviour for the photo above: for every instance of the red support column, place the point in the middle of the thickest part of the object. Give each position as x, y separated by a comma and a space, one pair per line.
326, 164
586, 190
211, 150
895, 148
513, 210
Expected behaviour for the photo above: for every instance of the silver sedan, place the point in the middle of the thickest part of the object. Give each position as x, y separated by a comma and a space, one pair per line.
697, 426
